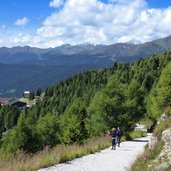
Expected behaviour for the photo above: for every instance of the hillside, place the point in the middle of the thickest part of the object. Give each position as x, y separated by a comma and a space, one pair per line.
87, 105
26, 68
15, 79
157, 153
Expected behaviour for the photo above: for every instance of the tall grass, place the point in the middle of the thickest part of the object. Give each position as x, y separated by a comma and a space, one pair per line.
144, 160
49, 157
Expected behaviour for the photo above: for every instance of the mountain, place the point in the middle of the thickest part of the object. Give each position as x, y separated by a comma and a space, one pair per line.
26, 68
15, 79
83, 54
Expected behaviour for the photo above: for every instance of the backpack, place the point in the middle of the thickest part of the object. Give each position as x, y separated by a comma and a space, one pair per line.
120, 133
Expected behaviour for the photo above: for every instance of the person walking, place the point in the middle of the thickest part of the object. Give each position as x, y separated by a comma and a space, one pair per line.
114, 136
119, 134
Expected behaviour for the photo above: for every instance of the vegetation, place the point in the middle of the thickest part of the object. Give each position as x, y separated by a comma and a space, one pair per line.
49, 156
38, 91
31, 95
15, 79
88, 105
8, 119
160, 100
147, 158
137, 134
161, 94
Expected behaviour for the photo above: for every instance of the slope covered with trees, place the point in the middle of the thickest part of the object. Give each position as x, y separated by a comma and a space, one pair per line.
21, 66
89, 104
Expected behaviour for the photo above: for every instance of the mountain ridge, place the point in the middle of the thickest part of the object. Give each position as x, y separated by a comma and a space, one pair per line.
115, 52
26, 68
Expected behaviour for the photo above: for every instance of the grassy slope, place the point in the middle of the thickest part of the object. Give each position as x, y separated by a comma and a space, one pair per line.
49, 157
145, 162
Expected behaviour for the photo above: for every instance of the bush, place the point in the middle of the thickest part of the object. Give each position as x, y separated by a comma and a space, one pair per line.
136, 134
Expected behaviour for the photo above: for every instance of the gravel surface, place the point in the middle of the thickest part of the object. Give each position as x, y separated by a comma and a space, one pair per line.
106, 160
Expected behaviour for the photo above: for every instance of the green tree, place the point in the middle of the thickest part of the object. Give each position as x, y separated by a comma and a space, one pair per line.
31, 95
95, 121
135, 101
47, 129
160, 98
38, 92
108, 109
72, 124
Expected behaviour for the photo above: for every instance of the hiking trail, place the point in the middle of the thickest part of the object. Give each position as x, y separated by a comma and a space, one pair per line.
120, 159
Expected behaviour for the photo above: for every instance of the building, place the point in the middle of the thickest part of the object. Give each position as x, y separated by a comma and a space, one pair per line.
26, 94
20, 105
7, 101
13, 102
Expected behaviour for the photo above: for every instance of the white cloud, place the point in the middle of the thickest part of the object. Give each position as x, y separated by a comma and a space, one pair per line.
22, 21
93, 21
80, 21
21, 38
56, 3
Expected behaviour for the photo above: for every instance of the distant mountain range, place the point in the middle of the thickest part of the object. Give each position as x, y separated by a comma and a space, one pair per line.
83, 54
27, 67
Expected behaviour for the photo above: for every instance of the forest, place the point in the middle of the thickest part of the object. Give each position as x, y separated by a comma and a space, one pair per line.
88, 105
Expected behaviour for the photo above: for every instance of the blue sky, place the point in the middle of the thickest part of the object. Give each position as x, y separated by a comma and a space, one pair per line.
159, 3
35, 10
50, 23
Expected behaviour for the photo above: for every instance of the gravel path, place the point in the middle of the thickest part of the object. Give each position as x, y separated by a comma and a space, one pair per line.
106, 160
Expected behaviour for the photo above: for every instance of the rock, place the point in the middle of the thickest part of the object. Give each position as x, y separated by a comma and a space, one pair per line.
163, 117
150, 165
161, 167
166, 136
169, 157
163, 161
152, 142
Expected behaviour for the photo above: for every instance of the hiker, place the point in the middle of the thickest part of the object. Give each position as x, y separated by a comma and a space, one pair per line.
113, 135
119, 134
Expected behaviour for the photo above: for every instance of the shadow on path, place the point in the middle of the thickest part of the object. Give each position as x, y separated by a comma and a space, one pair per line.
139, 140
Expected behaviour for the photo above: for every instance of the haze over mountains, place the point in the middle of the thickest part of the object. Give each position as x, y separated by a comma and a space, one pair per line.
26, 68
